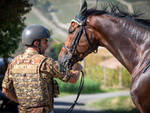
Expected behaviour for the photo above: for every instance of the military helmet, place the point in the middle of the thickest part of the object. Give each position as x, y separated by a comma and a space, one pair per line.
34, 32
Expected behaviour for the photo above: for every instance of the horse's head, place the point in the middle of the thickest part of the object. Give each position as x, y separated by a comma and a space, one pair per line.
80, 41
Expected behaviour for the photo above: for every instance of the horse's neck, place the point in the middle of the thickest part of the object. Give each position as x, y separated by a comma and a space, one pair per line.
139, 44
126, 41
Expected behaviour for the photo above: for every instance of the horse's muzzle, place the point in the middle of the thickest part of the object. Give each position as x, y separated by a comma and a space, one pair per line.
65, 61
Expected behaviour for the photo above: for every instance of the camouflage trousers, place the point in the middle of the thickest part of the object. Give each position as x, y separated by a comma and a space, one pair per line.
35, 110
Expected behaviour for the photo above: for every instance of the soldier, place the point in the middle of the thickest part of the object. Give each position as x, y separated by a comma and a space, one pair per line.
29, 78
3, 69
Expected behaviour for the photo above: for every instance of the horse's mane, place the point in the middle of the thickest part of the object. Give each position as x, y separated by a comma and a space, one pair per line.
116, 11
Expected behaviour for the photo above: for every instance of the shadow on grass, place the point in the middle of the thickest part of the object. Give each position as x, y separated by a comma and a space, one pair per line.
95, 111
121, 111
78, 110
61, 110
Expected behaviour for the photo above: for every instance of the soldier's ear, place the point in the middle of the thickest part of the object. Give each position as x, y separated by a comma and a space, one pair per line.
36, 43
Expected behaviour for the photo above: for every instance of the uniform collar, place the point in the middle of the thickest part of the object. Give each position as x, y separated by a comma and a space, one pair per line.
31, 51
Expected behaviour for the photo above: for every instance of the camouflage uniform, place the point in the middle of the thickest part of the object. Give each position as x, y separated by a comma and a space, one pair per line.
30, 75
3, 69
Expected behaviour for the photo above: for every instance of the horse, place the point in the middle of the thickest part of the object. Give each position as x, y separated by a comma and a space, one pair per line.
125, 35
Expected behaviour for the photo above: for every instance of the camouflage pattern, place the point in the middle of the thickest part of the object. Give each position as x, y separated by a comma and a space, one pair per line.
3, 69
34, 110
55, 88
31, 75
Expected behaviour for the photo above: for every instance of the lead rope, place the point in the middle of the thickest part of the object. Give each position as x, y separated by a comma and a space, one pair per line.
78, 94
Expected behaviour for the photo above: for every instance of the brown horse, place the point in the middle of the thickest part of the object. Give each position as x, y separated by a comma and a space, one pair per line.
125, 36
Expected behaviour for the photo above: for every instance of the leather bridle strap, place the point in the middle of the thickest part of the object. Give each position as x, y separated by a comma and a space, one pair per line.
78, 94
77, 39
87, 37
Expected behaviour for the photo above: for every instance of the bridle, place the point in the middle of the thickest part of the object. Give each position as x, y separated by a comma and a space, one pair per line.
73, 57
72, 50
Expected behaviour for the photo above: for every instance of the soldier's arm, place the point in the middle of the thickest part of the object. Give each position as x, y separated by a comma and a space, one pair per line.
7, 88
69, 76
10, 94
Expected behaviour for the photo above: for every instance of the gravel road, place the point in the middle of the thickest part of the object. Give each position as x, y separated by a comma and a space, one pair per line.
62, 104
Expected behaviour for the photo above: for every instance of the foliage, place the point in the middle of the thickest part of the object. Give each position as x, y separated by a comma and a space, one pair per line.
118, 105
112, 76
54, 51
11, 24
90, 86
96, 72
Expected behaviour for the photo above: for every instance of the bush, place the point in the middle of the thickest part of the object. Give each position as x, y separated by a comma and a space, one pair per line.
90, 86
112, 76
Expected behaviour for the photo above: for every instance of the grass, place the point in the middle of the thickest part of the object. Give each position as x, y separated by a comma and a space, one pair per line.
64, 93
90, 86
122, 104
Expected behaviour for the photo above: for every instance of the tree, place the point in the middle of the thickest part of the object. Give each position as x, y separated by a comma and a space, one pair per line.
11, 24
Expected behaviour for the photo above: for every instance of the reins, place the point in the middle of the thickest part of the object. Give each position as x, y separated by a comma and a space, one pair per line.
78, 94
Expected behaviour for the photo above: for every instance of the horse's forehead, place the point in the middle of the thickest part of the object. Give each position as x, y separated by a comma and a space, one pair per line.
77, 21
73, 24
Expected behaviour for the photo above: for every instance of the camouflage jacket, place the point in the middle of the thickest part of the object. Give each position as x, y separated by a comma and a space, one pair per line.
3, 69
30, 75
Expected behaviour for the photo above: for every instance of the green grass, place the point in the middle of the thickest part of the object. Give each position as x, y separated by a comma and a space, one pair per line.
122, 104
67, 93
90, 86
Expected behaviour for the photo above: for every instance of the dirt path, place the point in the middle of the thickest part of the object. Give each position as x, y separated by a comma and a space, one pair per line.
63, 103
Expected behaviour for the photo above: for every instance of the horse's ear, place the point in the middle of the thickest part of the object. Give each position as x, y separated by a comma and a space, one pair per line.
83, 7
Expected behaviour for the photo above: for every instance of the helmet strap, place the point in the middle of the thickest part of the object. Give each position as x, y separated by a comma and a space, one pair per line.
39, 47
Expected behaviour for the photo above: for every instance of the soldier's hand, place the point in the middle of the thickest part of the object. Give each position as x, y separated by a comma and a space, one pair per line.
76, 73
75, 76
77, 66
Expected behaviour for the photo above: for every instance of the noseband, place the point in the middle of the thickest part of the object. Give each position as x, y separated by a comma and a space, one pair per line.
72, 50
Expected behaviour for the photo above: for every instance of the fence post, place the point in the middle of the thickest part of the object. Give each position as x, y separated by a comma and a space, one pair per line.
120, 78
